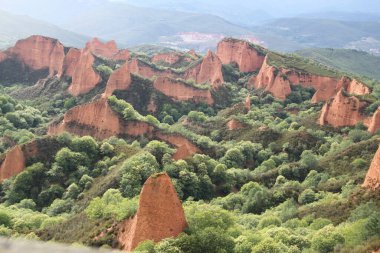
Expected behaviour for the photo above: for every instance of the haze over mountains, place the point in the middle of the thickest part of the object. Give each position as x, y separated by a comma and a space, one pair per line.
198, 24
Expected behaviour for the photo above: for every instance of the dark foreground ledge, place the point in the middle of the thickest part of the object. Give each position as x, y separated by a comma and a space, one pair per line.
25, 246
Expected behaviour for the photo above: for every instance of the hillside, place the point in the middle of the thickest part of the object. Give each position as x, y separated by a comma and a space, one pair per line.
346, 60
239, 150
326, 33
15, 27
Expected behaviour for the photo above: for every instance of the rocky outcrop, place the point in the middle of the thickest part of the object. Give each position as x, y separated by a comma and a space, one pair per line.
120, 79
160, 214
209, 71
342, 110
185, 148
278, 81
97, 119
234, 124
372, 179
84, 76
247, 103
178, 90
374, 122
37, 53
141, 68
70, 62
240, 52
272, 80
107, 50
168, 58
3, 56
13, 163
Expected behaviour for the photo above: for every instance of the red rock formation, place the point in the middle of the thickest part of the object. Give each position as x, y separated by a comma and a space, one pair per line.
13, 164
97, 119
374, 122
160, 214
209, 71
38, 52
120, 79
70, 62
169, 58
178, 90
122, 55
271, 80
342, 111
372, 179
108, 50
233, 124
3, 56
247, 103
142, 69
84, 77
241, 52
278, 81
185, 148
15, 159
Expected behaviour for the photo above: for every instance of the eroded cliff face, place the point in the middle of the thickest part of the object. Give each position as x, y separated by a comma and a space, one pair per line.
342, 110
37, 53
169, 58
84, 77
234, 124
372, 179
3, 56
120, 79
15, 159
209, 71
182, 92
70, 62
96, 119
272, 80
278, 81
142, 69
240, 52
185, 148
374, 122
107, 50
160, 214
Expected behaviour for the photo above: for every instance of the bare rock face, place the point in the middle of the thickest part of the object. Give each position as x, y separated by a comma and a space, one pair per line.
120, 79
353, 86
160, 214
185, 148
3, 56
233, 124
15, 159
38, 52
372, 179
84, 77
107, 50
140, 68
271, 80
169, 58
70, 62
342, 111
374, 122
247, 103
241, 52
182, 92
209, 71
98, 120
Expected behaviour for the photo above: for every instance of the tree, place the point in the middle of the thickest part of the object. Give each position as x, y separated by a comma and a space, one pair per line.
5, 219
307, 196
86, 145
68, 161
233, 158
267, 246
326, 239
158, 149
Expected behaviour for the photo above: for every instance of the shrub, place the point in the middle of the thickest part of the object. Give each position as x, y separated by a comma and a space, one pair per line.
326, 239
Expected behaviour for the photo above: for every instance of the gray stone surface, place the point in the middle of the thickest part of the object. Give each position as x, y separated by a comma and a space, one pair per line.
24, 246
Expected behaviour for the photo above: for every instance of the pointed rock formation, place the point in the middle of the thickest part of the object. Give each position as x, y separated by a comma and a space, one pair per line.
242, 53
169, 58
234, 124
209, 71
343, 110
13, 164
372, 179
70, 62
107, 50
270, 79
84, 77
120, 79
353, 86
247, 103
374, 122
160, 214
38, 52
179, 90
141, 68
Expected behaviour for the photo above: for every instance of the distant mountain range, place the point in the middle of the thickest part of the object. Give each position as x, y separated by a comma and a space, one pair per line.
14, 27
